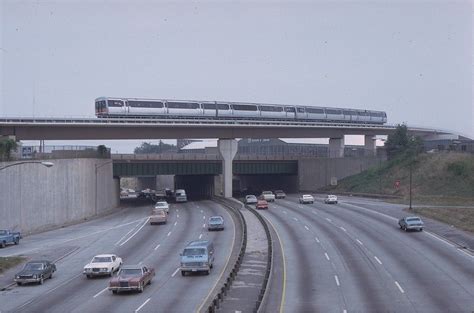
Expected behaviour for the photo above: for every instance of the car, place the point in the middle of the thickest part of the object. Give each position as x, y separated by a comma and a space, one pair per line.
268, 196
180, 195
102, 265
411, 223
250, 199
331, 199
215, 223
131, 278
158, 216
279, 194
262, 205
197, 256
306, 199
9, 237
35, 272
163, 205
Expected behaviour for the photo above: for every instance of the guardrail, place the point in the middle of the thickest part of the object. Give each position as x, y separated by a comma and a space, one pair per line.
233, 273
268, 270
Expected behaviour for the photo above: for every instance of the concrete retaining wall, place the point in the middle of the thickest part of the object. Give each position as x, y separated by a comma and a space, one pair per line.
317, 173
35, 198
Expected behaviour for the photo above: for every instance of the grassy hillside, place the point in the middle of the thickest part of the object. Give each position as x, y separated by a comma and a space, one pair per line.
441, 178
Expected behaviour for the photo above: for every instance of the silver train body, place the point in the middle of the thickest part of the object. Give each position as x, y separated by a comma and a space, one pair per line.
106, 107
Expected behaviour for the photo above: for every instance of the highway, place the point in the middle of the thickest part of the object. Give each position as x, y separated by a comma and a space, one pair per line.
129, 235
348, 257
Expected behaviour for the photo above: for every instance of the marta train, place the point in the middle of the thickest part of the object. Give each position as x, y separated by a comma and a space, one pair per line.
107, 107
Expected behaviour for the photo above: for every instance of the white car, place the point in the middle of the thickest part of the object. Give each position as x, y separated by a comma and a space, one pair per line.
331, 199
163, 205
268, 196
306, 199
250, 199
103, 264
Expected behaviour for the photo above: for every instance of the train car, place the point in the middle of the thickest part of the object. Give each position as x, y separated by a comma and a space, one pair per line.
315, 113
245, 110
183, 108
105, 106
141, 107
272, 111
216, 109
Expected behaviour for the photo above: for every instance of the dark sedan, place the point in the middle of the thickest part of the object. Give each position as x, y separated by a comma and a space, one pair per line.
35, 272
132, 277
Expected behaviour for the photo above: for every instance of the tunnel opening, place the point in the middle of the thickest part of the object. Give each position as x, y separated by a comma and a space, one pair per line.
255, 184
197, 187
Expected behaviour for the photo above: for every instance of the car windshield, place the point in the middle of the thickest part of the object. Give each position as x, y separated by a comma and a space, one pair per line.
413, 219
215, 219
101, 259
161, 204
3, 232
194, 251
278, 191
34, 266
130, 272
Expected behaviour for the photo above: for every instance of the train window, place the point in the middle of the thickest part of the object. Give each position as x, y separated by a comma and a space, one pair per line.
300, 110
242, 107
145, 104
362, 113
346, 112
212, 106
115, 103
315, 110
290, 109
269, 108
375, 114
182, 105
332, 111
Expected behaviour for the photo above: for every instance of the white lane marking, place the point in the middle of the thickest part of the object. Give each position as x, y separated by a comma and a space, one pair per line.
314, 212
146, 221
359, 242
448, 243
201, 211
203, 225
377, 259
175, 272
125, 235
295, 219
100, 292
141, 306
375, 212
344, 311
177, 210
317, 239
156, 248
327, 256
337, 280
177, 215
284, 212
175, 223
328, 219
235, 312
204, 217
343, 229
200, 236
168, 234
399, 287
306, 227
140, 263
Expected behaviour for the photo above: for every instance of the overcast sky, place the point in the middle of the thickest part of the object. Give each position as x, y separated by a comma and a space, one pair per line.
412, 59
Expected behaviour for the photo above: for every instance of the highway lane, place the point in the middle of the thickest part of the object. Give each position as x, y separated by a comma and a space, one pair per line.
157, 246
378, 267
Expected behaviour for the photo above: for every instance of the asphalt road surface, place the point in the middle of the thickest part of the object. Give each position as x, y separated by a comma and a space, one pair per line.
349, 257
129, 235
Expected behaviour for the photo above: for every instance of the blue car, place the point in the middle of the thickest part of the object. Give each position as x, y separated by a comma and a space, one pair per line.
411, 223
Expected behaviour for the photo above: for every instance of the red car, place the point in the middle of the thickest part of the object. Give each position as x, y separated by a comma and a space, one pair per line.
131, 277
261, 205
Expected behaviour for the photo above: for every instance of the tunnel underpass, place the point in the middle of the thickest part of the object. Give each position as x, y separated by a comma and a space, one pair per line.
255, 184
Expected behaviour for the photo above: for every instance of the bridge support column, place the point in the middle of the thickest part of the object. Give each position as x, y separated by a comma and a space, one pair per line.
370, 145
336, 147
227, 150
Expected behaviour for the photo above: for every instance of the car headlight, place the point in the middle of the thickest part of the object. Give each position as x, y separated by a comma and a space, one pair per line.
17, 277
103, 269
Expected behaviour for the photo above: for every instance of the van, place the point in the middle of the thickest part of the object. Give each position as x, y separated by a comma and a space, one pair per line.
180, 195
197, 256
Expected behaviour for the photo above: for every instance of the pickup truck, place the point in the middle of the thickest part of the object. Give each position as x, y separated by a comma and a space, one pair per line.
7, 236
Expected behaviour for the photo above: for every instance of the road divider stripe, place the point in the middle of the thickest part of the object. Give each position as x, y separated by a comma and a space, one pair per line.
169, 233
337, 280
200, 236
399, 287
175, 223
359, 242
307, 228
203, 225
328, 219
141, 306
326, 255
175, 272
295, 219
100, 292
156, 248
146, 221
317, 239
343, 228
377, 259
126, 235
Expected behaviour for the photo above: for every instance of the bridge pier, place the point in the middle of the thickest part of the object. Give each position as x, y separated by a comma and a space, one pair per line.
370, 145
227, 150
336, 147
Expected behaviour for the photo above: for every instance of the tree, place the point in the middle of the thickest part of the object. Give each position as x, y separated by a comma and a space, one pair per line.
400, 143
6, 147
161, 147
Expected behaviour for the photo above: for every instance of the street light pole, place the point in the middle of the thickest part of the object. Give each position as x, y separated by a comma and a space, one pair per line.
47, 164
411, 165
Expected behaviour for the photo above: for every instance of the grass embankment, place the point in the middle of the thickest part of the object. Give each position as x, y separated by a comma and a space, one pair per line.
442, 179
8, 262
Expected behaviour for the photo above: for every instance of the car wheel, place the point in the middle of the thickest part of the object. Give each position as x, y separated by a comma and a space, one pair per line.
149, 282
114, 292
17, 241
41, 280
51, 275
406, 229
2, 245
183, 273
421, 229
206, 272
18, 283
88, 276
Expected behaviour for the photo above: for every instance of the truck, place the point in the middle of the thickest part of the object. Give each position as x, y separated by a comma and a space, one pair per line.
9, 237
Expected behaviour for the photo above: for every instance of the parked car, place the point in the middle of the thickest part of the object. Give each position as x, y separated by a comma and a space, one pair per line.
180, 195
35, 272
279, 194
131, 277
9, 237
250, 199
102, 265
331, 199
268, 196
306, 199
261, 205
197, 256
158, 216
163, 205
411, 223
215, 223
